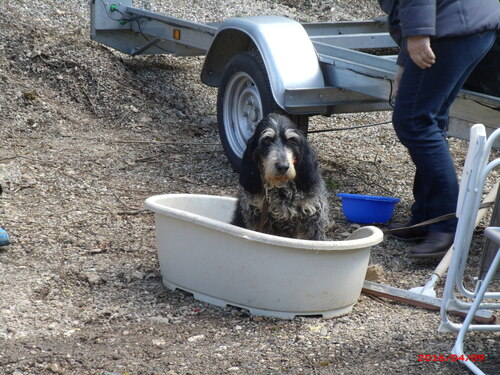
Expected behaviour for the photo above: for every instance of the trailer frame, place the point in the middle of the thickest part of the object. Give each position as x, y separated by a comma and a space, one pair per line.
311, 68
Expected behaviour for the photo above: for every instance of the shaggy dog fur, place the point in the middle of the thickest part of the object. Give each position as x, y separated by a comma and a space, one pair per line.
280, 167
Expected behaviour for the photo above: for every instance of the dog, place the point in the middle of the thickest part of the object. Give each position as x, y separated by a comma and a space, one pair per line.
282, 191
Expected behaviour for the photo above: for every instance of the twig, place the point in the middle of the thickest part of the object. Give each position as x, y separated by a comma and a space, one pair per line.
9, 158
48, 62
147, 158
378, 299
119, 122
121, 201
136, 212
311, 363
167, 143
377, 167
143, 142
22, 187
7, 132
92, 105
28, 158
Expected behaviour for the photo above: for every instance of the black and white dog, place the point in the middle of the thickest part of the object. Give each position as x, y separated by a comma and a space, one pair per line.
282, 192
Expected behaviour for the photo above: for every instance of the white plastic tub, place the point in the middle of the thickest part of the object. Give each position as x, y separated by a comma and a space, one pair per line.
222, 264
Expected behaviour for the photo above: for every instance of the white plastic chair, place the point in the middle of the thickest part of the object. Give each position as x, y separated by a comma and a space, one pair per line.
476, 170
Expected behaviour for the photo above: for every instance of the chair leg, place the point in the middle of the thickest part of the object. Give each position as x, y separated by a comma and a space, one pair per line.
459, 343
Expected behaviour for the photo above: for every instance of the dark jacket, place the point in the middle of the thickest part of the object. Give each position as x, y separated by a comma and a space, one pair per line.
439, 19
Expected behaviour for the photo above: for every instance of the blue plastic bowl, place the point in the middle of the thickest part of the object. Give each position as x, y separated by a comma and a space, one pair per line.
367, 209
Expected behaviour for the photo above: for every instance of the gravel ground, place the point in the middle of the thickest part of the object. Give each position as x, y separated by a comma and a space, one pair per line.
86, 134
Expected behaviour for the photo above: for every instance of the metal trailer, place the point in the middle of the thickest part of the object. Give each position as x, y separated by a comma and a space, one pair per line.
269, 63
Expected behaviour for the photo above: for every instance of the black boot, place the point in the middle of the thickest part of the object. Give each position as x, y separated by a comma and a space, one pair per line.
434, 245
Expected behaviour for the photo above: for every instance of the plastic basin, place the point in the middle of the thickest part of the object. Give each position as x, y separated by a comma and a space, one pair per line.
222, 264
367, 209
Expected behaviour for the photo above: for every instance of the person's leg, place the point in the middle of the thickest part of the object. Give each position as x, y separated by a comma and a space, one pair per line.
418, 215
419, 100
420, 117
418, 212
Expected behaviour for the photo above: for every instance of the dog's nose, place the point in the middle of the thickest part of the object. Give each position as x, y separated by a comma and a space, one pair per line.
282, 167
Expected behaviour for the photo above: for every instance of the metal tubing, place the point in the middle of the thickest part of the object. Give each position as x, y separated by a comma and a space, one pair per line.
482, 181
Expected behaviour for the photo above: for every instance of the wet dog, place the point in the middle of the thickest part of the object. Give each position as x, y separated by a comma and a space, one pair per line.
282, 191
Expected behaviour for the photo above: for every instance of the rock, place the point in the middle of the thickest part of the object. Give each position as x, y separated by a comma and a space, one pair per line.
138, 275
30, 95
375, 273
159, 342
55, 368
116, 356
398, 337
196, 338
179, 114
145, 119
93, 278
209, 121
180, 106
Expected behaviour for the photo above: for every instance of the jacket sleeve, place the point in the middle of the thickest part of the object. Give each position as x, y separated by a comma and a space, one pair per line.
417, 17
403, 55
409, 18
391, 7
393, 24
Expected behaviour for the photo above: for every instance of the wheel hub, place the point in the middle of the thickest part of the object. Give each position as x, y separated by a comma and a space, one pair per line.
243, 105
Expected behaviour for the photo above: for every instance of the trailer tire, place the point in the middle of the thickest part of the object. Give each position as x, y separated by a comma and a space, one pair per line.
243, 99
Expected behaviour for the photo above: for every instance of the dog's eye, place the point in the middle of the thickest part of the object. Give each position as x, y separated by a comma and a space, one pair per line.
293, 141
267, 140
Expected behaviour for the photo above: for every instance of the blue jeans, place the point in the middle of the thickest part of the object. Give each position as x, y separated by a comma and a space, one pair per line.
420, 119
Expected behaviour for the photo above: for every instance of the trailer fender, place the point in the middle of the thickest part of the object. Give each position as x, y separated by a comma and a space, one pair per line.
288, 53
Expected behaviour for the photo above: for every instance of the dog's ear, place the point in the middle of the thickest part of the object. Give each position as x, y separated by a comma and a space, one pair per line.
250, 178
307, 168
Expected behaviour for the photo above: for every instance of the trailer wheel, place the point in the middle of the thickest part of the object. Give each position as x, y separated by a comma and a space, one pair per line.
243, 99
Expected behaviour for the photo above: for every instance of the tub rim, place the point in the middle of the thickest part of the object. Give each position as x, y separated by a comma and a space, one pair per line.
371, 235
